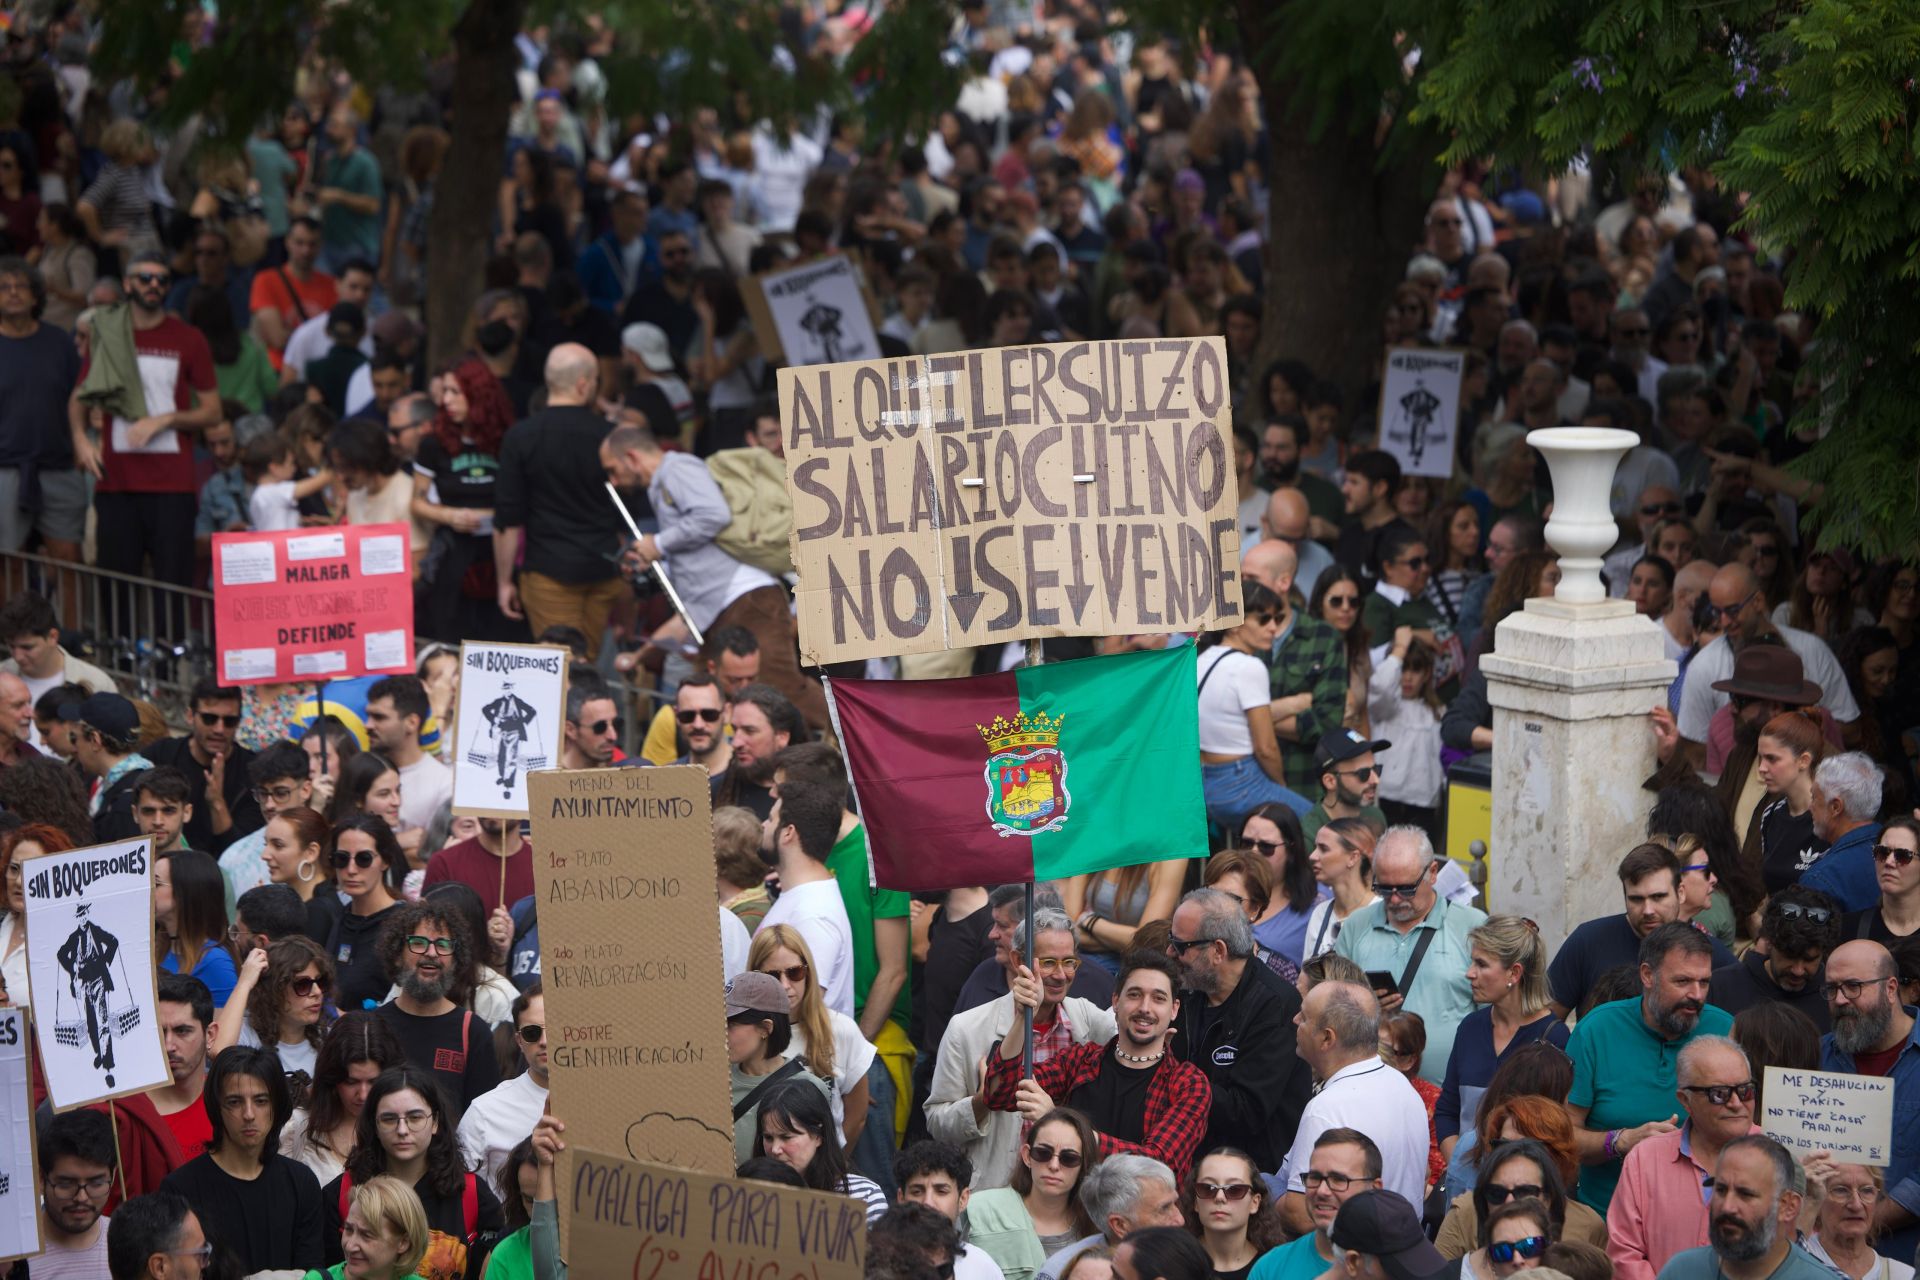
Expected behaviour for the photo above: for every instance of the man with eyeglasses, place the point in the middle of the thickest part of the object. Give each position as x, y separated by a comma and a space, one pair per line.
185, 1008
1875, 1035
501, 1118
428, 953
215, 766
1641, 509
76, 1177
956, 1107
1349, 781
1760, 1198
1650, 887
1659, 1209
1236, 1024
1344, 1163
156, 1237
1632, 344
1798, 930
1416, 938
281, 778
144, 501
667, 299
1740, 603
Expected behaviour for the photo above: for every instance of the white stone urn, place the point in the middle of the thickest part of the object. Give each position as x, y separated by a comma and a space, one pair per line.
1582, 530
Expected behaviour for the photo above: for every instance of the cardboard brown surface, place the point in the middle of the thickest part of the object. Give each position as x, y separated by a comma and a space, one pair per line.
535, 675
19, 1167
979, 497
630, 965
648, 1220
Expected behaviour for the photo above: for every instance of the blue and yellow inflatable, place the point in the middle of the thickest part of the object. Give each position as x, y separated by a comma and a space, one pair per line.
346, 701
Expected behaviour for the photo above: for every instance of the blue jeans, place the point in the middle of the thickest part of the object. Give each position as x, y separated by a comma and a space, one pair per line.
872, 1153
1237, 788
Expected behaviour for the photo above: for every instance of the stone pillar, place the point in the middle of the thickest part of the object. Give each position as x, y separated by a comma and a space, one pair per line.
1571, 680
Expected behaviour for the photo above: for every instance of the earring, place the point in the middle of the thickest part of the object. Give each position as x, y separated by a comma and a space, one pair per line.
306, 873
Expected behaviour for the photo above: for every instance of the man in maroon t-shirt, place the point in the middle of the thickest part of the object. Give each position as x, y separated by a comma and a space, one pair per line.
145, 497
479, 860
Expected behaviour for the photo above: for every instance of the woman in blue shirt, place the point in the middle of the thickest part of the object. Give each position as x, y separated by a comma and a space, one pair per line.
190, 912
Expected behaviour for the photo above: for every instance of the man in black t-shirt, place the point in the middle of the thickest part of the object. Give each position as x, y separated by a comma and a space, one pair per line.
1800, 928
209, 758
428, 951
1649, 882
39, 485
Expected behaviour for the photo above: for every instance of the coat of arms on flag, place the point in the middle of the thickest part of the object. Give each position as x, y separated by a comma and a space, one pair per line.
1026, 774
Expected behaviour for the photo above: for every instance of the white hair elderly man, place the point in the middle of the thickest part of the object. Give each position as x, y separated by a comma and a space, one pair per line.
1846, 800
1123, 1194
956, 1108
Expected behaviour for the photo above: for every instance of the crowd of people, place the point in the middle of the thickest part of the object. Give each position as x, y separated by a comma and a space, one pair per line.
1312, 1054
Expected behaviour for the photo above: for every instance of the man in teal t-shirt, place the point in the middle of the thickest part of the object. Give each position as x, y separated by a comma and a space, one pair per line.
1626, 1056
1343, 1163
348, 193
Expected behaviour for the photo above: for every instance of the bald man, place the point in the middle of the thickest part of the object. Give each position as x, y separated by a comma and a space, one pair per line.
1289, 519
1741, 611
16, 720
1306, 669
550, 497
1873, 1034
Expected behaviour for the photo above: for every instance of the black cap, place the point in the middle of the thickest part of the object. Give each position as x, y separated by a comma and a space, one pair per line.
1344, 744
109, 713
1381, 1224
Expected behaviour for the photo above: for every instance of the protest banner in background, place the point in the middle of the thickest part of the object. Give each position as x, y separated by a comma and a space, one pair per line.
19, 1176
630, 965
812, 314
513, 703
313, 604
90, 971
1849, 1115
642, 1219
1420, 408
988, 496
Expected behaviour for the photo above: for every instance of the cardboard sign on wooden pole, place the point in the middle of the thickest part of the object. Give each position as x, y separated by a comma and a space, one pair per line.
1849, 1115
513, 706
1082, 489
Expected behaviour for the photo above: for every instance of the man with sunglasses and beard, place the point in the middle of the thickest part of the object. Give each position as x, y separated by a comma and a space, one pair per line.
1758, 1200
1625, 1056
215, 767
1875, 1035
700, 711
1349, 782
428, 952
501, 1118
1800, 927
1657, 1211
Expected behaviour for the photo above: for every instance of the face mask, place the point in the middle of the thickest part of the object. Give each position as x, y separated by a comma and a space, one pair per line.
494, 337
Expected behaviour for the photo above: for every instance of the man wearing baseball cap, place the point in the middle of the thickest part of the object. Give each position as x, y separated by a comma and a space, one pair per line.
1349, 781
103, 744
1378, 1233
655, 389
759, 1034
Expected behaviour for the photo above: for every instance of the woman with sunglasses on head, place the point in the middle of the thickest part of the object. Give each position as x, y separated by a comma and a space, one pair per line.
1240, 766
1336, 601
406, 1133
1273, 832
1896, 867
294, 847
1517, 1235
1229, 1212
1039, 1212
1792, 744
283, 992
357, 1048
190, 920
1342, 861
1844, 1228
829, 1042
369, 868
796, 1128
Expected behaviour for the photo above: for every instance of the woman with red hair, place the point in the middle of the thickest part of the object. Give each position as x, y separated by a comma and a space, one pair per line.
454, 474
19, 844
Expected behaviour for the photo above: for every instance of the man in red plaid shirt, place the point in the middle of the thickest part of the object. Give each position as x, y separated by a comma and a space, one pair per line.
1140, 1097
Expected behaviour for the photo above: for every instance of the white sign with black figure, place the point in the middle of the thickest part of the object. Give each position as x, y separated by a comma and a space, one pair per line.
513, 700
1420, 408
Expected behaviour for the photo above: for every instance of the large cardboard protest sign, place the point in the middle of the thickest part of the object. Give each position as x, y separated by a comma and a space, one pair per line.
513, 702
633, 1218
816, 313
90, 971
1849, 1115
1420, 408
630, 964
985, 496
19, 1177
313, 604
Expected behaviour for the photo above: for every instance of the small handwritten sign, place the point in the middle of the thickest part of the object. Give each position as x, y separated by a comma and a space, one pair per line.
1851, 1116
649, 1220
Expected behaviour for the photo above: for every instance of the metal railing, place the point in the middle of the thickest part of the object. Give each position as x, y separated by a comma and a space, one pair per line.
155, 638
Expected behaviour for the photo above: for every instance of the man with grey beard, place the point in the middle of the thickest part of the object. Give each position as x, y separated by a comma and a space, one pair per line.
1757, 1202
1874, 1035
427, 948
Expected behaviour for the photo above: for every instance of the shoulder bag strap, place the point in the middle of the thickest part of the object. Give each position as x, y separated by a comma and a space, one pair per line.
752, 1100
299, 303
1413, 963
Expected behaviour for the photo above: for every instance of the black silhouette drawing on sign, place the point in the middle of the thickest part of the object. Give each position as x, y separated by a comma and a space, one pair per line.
88, 956
508, 731
822, 323
1418, 405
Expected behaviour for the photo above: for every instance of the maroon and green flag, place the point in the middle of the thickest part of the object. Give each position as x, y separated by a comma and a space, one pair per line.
1033, 774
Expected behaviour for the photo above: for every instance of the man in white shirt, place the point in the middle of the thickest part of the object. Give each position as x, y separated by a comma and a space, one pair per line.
1743, 612
499, 1119
396, 708
31, 634
1339, 1037
801, 831
311, 341
76, 1173
783, 166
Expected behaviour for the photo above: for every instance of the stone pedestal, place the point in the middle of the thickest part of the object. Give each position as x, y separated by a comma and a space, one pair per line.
1570, 685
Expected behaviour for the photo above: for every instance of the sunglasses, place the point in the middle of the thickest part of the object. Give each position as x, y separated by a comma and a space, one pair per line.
792, 973
363, 859
150, 277
1718, 1094
1397, 890
279, 795
601, 726
211, 720
1180, 946
1363, 772
1265, 848
303, 986
1529, 1248
1233, 1193
1635, 333
532, 1033
1730, 610
709, 714
1343, 602
420, 946
1041, 1153
1893, 853
1662, 509
1415, 562
1497, 1194
1802, 911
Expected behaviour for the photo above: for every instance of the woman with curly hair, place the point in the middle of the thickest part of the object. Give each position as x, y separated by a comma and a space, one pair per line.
17, 845
1230, 1212
458, 462
43, 789
359, 1046
283, 991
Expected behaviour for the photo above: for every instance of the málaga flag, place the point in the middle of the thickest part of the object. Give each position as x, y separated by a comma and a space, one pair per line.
1032, 774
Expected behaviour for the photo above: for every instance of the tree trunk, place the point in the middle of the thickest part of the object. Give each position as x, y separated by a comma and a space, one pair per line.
466, 192
1340, 228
